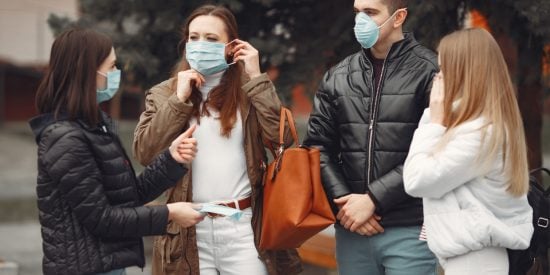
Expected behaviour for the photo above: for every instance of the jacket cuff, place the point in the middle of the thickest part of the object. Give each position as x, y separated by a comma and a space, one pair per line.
172, 165
159, 220
374, 200
252, 83
375, 192
178, 106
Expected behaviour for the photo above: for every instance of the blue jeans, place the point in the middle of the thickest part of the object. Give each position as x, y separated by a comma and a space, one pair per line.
397, 251
121, 271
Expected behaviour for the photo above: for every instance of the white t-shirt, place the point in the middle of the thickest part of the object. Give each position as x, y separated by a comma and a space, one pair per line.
219, 168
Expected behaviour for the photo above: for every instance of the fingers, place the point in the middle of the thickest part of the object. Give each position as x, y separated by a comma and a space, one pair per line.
368, 229
191, 76
374, 225
189, 132
342, 200
241, 49
184, 149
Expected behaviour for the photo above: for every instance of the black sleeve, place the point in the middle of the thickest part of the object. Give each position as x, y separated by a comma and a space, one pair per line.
322, 133
163, 173
71, 164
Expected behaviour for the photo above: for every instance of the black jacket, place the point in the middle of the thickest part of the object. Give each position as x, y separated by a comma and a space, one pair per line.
364, 135
90, 201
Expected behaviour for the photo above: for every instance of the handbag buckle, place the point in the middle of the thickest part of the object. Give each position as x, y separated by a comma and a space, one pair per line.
280, 150
542, 222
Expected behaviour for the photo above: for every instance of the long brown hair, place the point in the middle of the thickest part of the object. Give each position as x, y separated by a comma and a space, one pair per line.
475, 72
227, 96
69, 84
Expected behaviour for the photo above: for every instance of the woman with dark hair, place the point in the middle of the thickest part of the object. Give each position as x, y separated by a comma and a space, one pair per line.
219, 87
89, 199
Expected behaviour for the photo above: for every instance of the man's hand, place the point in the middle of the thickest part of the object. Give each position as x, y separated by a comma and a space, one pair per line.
371, 227
355, 210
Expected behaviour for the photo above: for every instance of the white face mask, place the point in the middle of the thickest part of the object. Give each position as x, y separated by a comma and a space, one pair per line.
366, 30
205, 57
113, 83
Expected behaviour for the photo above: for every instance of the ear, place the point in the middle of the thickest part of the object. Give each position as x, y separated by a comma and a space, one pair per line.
400, 18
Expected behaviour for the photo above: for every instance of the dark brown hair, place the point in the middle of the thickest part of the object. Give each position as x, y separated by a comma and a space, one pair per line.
69, 84
226, 97
394, 5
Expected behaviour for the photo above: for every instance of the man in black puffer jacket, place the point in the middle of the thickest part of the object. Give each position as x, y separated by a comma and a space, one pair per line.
365, 113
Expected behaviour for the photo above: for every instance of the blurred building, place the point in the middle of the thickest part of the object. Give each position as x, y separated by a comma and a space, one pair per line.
25, 42
25, 37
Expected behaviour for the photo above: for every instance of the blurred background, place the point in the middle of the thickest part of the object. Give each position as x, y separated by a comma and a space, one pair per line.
298, 41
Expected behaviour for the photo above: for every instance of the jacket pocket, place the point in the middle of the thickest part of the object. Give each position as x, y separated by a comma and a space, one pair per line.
168, 252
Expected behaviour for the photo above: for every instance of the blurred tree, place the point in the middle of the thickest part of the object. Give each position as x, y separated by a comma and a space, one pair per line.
520, 28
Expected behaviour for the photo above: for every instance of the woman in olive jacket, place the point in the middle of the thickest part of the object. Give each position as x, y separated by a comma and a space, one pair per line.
89, 199
234, 116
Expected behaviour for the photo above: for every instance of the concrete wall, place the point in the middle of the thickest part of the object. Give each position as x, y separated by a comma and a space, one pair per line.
25, 37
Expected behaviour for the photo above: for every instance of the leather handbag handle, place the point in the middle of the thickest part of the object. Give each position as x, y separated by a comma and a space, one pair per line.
286, 114
546, 191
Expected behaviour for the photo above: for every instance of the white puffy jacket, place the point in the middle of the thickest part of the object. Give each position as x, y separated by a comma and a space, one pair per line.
466, 206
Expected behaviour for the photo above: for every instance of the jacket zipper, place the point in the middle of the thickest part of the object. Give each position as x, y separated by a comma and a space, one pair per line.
117, 141
374, 109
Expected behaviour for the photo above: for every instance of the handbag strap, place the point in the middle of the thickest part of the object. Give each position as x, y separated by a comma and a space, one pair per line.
286, 115
546, 191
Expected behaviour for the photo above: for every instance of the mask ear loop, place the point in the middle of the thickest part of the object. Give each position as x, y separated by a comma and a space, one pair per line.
388, 20
228, 43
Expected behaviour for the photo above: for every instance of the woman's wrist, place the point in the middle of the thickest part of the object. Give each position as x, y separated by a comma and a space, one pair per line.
254, 75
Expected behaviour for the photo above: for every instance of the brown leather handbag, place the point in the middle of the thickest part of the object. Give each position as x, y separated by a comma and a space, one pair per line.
295, 206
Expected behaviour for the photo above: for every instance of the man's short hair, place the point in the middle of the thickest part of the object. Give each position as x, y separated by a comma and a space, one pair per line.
394, 5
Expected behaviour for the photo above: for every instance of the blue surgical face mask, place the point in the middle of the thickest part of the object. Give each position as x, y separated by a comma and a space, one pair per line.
205, 57
113, 82
366, 30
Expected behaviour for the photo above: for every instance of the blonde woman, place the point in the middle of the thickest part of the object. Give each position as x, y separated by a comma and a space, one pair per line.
468, 159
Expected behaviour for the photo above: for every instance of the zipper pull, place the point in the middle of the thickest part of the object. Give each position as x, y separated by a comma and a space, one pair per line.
370, 125
104, 128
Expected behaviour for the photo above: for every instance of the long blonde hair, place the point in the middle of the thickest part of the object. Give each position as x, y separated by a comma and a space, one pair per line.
475, 72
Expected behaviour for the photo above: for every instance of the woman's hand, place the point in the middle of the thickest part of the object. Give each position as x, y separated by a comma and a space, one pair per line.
437, 96
243, 51
184, 148
185, 81
184, 214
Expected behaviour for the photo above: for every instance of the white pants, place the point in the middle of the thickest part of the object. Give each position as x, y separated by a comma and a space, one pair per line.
226, 246
487, 261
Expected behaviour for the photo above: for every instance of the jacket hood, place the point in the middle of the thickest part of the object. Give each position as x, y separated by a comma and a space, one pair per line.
40, 122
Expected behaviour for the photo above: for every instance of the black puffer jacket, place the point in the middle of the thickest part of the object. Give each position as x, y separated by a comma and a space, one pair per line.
364, 135
90, 201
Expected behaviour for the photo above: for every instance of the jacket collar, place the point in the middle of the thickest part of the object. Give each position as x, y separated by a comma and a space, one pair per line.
398, 48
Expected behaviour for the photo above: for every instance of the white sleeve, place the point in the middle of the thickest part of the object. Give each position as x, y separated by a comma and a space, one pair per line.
432, 174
